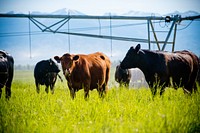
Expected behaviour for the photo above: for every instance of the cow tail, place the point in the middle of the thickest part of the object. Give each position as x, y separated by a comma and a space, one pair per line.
60, 78
107, 72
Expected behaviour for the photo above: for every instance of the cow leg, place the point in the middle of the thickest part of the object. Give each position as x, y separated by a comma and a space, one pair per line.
127, 84
191, 86
9, 83
86, 94
158, 85
103, 90
153, 90
162, 86
8, 92
86, 87
52, 88
72, 93
8, 89
187, 87
37, 87
120, 84
0, 92
47, 89
162, 90
86, 91
100, 90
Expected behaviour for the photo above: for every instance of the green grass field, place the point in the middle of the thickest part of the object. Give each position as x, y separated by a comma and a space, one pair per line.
121, 111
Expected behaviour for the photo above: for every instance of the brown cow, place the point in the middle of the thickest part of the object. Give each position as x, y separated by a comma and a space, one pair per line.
90, 72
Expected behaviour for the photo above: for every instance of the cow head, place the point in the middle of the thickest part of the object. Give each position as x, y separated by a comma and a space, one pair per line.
67, 62
121, 74
132, 58
53, 67
3, 53
121, 71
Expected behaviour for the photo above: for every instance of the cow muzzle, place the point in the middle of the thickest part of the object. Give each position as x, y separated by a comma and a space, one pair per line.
67, 72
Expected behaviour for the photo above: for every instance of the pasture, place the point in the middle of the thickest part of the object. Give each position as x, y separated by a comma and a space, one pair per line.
120, 111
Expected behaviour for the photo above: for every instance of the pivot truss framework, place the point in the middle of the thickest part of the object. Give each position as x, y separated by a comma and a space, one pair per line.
63, 19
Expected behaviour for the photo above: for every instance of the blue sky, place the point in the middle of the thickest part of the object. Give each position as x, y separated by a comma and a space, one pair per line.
89, 7
99, 7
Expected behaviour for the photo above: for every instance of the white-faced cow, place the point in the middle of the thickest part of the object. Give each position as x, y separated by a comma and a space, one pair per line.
163, 68
45, 73
6, 72
86, 72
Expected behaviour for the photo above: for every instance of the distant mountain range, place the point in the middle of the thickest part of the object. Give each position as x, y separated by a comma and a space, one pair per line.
14, 36
66, 11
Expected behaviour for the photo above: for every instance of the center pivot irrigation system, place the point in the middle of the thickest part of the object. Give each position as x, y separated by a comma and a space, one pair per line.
63, 19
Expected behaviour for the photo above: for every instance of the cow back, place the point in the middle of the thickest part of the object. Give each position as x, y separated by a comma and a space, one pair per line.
181, 64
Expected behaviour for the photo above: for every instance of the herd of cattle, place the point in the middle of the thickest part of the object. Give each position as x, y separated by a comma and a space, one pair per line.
161, 69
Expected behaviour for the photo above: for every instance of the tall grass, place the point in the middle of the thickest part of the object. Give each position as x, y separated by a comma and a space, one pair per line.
121, 110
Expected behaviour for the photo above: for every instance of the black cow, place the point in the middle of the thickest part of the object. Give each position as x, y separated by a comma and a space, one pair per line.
45, 73
6, 72
163, 68
122, 76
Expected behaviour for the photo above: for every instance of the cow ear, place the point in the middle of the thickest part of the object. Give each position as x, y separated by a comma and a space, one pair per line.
117, 67
76, 57
131, 47
137, 48
50, 62
3, 53
57, 59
